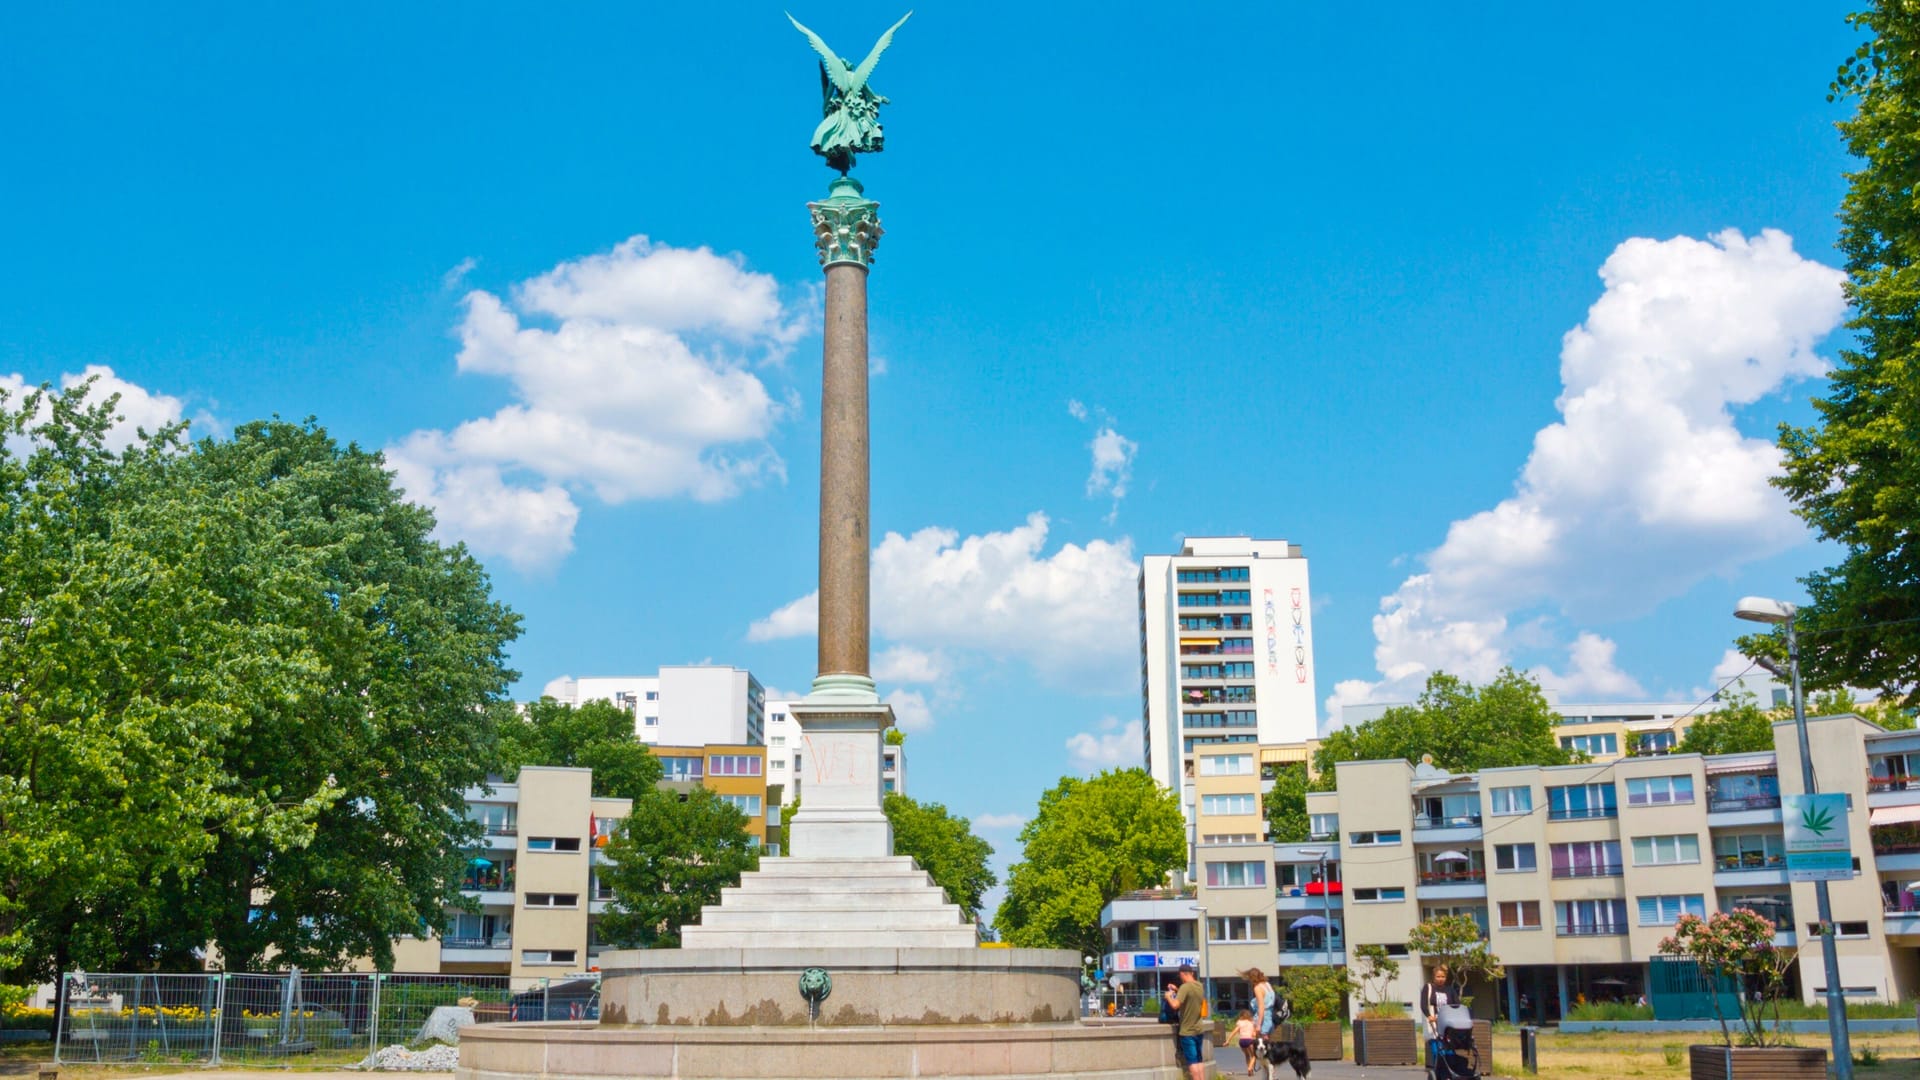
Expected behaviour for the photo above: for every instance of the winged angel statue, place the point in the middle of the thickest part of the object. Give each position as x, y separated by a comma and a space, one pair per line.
851, 108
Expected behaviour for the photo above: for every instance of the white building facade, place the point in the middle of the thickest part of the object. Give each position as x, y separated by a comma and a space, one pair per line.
687, 705
1226, 647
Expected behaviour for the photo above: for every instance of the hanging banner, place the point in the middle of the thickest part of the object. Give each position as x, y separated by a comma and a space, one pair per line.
1817, 837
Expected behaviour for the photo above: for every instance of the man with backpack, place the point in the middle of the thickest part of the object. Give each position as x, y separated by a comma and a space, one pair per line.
1187, 1001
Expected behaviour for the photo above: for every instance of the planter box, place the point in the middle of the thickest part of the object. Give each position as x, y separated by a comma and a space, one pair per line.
1324, 1041
1756, 1063
1483, 1042
1386, 1042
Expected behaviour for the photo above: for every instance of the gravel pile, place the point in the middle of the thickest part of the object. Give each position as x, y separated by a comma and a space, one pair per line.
399, 1058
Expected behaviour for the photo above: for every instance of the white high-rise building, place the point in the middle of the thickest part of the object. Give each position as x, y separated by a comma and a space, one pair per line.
1226, 644
681, 706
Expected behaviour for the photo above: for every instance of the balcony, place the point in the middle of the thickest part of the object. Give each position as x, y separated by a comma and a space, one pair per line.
1597, 870
1733, 804
1591, 930
1457, 821
1452, 877
1905, 923
476, 950
1294, 956
1583, 813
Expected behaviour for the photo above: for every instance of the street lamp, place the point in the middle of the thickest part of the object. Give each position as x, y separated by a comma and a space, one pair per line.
1326, 902
1206, 954
1762, 610
1153, 946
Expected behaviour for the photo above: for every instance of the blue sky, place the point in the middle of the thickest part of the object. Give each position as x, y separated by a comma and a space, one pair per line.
1296, 271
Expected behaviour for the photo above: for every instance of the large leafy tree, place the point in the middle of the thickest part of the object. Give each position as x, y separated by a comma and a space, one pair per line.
945, 847
597, 735
1739, 726
1090, 841
670, 858
1465, 728
1855, 474
1286, 804
239, 688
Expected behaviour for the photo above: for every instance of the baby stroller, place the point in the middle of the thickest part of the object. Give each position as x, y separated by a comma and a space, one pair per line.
1451, 1053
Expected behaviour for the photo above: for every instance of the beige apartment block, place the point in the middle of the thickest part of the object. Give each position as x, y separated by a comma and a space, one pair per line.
1574, 873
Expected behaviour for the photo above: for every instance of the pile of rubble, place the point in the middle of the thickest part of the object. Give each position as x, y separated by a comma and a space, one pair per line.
396, 1057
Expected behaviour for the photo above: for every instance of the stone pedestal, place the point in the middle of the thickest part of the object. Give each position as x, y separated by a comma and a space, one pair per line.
840, 777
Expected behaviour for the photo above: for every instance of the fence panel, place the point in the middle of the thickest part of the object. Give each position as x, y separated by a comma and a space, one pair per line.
289, 1017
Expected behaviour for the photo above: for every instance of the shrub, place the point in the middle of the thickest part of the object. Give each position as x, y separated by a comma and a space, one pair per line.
1737, 945
1316, 992
1609, 1010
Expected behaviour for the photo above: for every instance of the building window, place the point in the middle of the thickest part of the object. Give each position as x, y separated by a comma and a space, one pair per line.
733, 765
1211, 805
1519, 914
777, 765
1581, 801
1659, 790
600, 889
1594, 745
1666, 910
777, 741
1227, 765
1322, 826
1380, 838
1516, 857
1666, 850
535, 957
553, 900
1840, 930
1656, 742
1230, 838
1579, 918
1749, 851
1237, 928
1236, 875
1586, 858
746, 804
682, 768
652, 721
1511, 800
497, 820
1379, 895
553, 843
653, 695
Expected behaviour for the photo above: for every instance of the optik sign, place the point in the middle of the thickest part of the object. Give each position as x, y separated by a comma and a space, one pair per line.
1817, 837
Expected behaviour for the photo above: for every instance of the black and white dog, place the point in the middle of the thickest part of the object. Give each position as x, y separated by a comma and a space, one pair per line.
1288, 1043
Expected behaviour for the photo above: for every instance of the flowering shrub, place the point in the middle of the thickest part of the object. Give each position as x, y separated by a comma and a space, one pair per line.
1736, 945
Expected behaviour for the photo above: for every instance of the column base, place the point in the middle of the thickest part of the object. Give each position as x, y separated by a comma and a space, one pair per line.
844, 688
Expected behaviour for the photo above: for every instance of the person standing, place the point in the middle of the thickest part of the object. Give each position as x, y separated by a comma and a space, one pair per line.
1262, 999
1433, 996
1190, 1037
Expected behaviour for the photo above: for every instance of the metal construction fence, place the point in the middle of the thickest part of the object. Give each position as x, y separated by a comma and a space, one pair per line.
242, 1017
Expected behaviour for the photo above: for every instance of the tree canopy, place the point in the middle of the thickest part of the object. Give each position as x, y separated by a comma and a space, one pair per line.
597, 735
1090, 841
667, 860
945, 848
1854, 475
1739, 726
1465, 729
239, 683
1286, 804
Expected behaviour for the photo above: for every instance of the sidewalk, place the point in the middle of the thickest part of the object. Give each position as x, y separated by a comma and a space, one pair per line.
1232, 1063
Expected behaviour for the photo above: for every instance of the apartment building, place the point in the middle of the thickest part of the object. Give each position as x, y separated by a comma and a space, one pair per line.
535, 878
685, 705
736, 773
1574, 873
786, 757
1226, 651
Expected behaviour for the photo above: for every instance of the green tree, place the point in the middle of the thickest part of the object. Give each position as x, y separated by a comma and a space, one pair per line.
1317, 993
896, 737
597, 735
1458, 942
1739, 726
1854, 475
1463, 727
945, 847
667, 860
1090, 841
1286, 804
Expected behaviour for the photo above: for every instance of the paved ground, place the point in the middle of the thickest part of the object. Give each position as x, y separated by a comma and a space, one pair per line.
1232, 1063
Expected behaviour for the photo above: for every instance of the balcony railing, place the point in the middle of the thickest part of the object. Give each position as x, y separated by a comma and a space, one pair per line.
1161, 945
497, 941
1453, 877
1893, 783
1596, 871
1895, 845
1591, 930
1717, 804
1457, 821
1749, 862
1582, 813
509, 829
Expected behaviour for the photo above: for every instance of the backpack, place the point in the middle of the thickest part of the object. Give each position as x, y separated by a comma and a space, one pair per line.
1282, 1009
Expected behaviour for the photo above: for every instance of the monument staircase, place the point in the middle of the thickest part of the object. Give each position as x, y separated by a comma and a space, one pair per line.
832, 903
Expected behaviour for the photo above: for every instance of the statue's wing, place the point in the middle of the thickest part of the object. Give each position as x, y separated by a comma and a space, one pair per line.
865, 71
833, 66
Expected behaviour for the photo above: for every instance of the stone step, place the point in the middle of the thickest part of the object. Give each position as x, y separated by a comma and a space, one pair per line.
807, 899
884, 867
833, 918
701, 937
797, 884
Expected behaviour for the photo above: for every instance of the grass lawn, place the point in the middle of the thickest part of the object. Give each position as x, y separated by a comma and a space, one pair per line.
1611, 1053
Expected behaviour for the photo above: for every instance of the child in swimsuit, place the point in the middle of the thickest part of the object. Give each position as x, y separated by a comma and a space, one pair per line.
1244, 1029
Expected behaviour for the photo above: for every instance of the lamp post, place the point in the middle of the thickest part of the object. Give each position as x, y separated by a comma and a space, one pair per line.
1762, 610
1153, 946
1206, 954
1326, 902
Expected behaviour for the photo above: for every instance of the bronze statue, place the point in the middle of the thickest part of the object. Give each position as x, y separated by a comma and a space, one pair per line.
851, 108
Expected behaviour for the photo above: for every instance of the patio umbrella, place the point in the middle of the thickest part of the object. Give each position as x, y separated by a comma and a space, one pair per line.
1609, 982
1452, 856
1913, 886
1310, 922
481, 862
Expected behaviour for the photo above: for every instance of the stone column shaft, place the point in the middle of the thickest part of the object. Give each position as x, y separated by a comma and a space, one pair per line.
846, 540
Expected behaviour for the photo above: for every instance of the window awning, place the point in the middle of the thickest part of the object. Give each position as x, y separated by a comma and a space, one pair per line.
1893, 815
1286, 752
1726, 768
1199, 641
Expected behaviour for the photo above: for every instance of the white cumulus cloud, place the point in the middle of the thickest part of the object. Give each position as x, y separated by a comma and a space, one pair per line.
1113, 455
631, 373
1002, 822
137, 408
1071, 613
906, 664
1644, 486
1112, 745
911, 712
